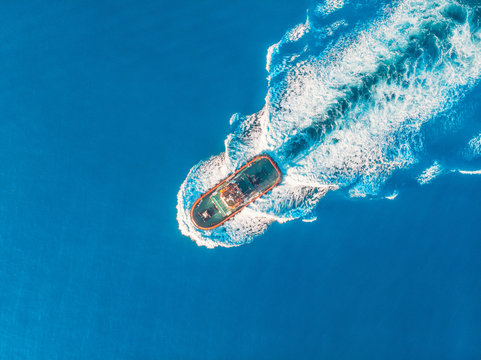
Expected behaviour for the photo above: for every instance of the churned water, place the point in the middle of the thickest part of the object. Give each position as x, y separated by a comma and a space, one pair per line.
351, 104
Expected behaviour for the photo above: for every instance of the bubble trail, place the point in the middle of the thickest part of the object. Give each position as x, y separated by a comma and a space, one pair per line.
346, 111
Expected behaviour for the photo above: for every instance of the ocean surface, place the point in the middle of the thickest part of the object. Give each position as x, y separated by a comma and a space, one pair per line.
117, 115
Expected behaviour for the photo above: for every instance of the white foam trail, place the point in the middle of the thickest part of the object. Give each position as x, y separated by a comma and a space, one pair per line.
474, 147
430, 173
468, 172
393, 196
329, 6
407, 69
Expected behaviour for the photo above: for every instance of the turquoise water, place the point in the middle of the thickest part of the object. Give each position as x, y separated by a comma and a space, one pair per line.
107, 106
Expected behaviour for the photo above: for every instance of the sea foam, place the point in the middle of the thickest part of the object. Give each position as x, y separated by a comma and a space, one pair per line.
343, 111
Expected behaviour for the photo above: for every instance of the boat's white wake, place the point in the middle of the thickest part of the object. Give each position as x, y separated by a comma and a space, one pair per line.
344, 112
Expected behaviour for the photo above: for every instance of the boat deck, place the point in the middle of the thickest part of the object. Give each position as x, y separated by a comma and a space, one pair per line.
235, 192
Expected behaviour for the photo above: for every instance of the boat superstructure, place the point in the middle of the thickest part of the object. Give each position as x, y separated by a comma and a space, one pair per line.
234, 193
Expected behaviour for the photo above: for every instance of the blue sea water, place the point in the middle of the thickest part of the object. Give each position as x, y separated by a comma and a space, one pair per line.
107, 105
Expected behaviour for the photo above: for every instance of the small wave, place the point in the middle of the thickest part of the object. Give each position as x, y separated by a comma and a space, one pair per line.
392, 196
430, 174
329, 6
474, 147
344, 112
470, 172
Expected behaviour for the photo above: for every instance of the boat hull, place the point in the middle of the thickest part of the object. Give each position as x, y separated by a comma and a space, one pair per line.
234, 193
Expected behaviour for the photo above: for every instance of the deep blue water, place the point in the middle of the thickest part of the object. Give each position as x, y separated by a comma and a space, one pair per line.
106, 106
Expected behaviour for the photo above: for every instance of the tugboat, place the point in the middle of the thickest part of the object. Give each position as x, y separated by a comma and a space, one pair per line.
234, 193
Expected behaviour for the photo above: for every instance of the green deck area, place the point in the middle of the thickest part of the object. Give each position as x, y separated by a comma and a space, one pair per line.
234, 193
